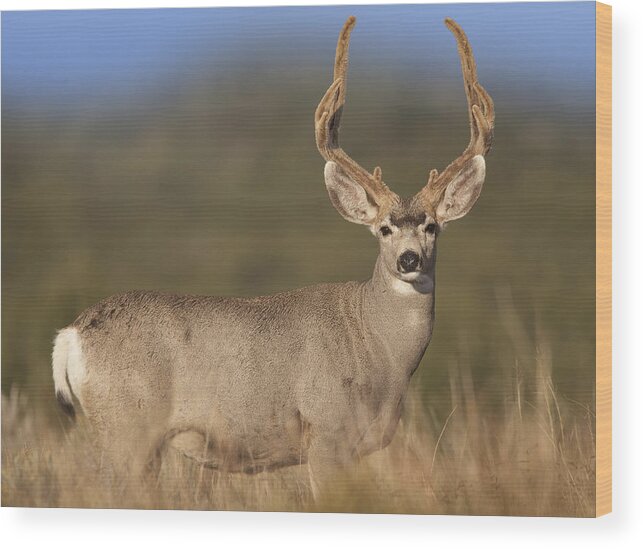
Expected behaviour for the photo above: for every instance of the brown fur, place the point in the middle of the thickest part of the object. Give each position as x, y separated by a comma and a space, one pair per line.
316, 375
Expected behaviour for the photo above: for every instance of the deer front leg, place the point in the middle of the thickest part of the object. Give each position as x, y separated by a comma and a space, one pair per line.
381, 431
330, 460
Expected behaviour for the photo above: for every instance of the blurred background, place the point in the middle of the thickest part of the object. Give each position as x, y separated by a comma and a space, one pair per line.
173, 149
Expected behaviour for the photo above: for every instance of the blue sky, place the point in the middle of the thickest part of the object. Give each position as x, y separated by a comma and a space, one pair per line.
74, 53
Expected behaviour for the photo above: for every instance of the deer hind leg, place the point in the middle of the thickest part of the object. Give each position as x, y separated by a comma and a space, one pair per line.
129, 442
132, 453
195, 446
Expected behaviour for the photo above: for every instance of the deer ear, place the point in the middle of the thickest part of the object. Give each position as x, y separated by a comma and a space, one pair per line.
349, 198
463, 191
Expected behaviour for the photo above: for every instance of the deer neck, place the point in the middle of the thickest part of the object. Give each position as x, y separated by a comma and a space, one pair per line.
398, 317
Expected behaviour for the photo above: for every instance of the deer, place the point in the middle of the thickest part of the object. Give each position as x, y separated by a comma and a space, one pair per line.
315, 376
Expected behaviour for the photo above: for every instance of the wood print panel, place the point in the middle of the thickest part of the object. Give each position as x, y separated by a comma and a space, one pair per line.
184, 161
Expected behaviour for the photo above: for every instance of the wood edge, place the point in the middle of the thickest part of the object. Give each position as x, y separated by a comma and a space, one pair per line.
603, 259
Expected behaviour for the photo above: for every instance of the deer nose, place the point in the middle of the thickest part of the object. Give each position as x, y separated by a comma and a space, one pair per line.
408, 262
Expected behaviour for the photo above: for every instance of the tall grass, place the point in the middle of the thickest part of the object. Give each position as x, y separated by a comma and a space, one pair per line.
531, 455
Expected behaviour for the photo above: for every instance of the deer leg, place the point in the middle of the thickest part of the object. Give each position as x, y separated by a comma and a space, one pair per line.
329, 463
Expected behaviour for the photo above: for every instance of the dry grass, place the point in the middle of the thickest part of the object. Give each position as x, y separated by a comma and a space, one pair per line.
532, 456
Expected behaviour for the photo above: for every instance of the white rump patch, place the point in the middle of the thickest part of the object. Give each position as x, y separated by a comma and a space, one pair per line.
69, 364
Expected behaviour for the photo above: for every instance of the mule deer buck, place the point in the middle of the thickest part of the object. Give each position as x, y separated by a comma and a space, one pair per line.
316, 375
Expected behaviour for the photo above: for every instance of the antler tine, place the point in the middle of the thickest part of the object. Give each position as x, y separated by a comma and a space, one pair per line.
327, 121
481, 119
476, 94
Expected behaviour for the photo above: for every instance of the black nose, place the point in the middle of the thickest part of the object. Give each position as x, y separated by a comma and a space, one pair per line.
408, 262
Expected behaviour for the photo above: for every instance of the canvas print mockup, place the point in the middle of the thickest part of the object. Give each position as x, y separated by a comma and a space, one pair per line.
221, 281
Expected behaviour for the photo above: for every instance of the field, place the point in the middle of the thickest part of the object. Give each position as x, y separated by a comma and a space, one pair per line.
184, 161
533, 455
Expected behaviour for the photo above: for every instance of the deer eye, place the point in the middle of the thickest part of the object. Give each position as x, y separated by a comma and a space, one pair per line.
386, 230
430, 228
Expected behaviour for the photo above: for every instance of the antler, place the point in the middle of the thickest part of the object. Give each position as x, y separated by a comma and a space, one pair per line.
327, 119
481, 120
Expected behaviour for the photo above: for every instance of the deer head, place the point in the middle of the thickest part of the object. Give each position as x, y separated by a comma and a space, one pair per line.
406, 228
